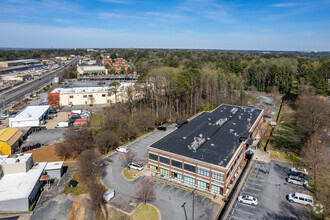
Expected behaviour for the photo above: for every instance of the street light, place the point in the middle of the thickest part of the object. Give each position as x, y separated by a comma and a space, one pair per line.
193, 203
184, 208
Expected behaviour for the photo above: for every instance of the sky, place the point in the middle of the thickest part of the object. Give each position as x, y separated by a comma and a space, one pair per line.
293, 25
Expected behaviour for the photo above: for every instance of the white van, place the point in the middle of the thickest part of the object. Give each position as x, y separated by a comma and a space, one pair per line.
301, 198
62, 125
76, 112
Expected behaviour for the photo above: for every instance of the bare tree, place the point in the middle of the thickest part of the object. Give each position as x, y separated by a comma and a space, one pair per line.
88, 171
127, 158
78, 139
145, 190
127, 131
106, 140
312, 116
63, 150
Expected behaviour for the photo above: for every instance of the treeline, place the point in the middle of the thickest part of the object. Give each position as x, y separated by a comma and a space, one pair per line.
38, 53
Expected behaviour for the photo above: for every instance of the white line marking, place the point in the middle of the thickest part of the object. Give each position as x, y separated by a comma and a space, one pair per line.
250, 206
254, 189
203, 199
256, 184
255, 179
250, 194
169, 189
186, 194
236, 217
244, 211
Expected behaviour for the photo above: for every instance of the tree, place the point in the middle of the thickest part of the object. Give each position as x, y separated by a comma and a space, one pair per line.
88, 171
127, 158
113, 88
106, 140
312, 116
63, 150
315, 155
127, 131
145, 190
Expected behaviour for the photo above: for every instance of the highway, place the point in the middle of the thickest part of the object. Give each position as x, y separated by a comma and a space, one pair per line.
12, 95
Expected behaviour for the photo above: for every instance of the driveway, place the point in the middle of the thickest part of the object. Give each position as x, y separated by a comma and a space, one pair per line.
270, 190
169, 199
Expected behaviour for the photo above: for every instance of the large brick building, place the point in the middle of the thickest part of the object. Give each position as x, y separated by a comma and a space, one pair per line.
208, 151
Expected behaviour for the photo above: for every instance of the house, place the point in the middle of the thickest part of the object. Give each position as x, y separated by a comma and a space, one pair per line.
10, 140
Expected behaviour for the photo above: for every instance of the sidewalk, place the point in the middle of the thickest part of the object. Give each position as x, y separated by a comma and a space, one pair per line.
261, 156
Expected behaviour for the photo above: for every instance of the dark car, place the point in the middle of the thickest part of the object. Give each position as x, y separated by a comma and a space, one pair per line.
73, 183
298, 174
162, 128
263, 170
181, 123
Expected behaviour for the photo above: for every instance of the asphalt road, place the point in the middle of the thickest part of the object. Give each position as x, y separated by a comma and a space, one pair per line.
12, 95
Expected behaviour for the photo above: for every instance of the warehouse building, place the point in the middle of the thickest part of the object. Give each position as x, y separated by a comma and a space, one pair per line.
10, 140
90, 70
11, 63
20, 182
90, 95
209, 150
30, 116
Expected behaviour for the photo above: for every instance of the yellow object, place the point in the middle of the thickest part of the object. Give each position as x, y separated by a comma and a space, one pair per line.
10, 138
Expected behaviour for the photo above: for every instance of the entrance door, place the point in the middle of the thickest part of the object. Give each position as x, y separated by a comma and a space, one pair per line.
221, 190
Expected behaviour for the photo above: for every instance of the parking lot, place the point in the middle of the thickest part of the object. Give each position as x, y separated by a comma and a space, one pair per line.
169, 198
270, 189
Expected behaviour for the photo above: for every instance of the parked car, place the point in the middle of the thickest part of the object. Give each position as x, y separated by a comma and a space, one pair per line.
299, 174
122, 149
162, 128
297, 180
4, 116
263, 170
136, 166
73, 183
52, 115
181, 123
299, 169
108, 195
70, 105
62, 125
301, 199
248, 200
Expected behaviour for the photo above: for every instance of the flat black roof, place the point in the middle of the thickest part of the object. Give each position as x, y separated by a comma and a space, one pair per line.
215, 135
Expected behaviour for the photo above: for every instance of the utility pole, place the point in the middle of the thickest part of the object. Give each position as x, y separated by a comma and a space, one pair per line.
184, 209
193, 204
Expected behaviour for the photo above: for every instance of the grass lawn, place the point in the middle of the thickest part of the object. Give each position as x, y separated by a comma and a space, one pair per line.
74, 191
129, 174
145, 212
96, 120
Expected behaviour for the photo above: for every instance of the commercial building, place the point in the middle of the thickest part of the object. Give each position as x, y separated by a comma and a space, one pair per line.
209, 150
11, 63
90, 95
19, 182
30, 116
115, 65
10, 140
87, 70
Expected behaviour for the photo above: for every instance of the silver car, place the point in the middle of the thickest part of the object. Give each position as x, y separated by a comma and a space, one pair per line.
297, 180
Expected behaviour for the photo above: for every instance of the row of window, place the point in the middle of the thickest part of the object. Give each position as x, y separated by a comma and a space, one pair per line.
188, 167
85, 96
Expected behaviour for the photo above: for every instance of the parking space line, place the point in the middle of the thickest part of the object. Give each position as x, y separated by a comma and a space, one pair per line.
250, 194
253, 188
203, 199
255, 179
186, 194
250, 206
236, 217
244, 211
170, 189
162, 187
255, 184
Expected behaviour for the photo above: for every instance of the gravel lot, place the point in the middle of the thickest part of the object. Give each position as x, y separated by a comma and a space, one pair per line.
169, 199
270, 190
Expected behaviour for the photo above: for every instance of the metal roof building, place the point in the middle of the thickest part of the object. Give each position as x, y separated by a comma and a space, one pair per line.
30, 116
10, 139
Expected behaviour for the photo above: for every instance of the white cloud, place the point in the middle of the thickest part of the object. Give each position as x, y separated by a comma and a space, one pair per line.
284, 5
116, 1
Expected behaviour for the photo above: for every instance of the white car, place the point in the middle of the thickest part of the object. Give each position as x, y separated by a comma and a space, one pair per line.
136, 166
299, 169
4, 116
109, 195
122, 149
297, 180
248, 200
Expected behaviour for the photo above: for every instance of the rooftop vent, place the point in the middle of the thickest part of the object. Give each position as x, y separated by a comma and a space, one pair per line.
233, 110
231, 130
212, 145
210, 123
209, 119
185, 138
208, 139
198, 141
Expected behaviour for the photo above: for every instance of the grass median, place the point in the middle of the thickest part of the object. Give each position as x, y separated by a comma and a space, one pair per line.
145, 211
